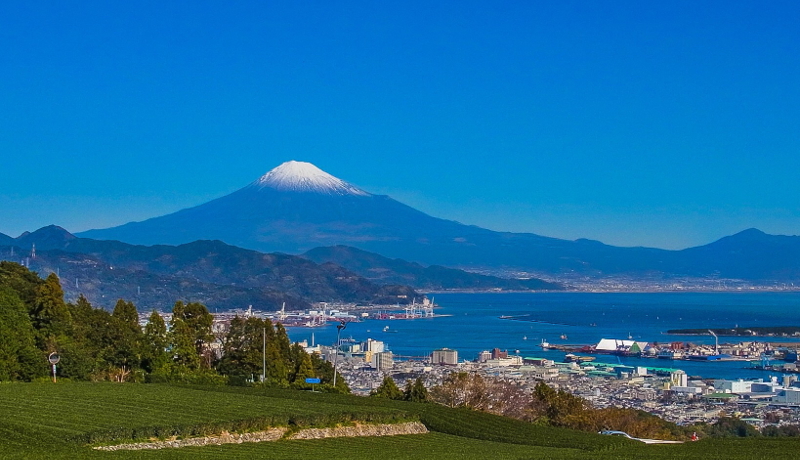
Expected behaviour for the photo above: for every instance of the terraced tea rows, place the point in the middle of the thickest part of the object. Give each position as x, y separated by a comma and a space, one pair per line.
55, 421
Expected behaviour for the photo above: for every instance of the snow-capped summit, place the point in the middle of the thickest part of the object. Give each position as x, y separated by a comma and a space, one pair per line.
300, 176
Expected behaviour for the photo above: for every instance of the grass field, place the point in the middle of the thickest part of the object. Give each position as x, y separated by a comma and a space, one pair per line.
57, 421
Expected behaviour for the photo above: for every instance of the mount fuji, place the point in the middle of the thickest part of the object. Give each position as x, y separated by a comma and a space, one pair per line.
297, 207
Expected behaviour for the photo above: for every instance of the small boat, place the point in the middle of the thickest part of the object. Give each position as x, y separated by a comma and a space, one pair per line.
563, 336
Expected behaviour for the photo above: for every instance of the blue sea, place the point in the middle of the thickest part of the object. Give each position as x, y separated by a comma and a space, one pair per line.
583, 318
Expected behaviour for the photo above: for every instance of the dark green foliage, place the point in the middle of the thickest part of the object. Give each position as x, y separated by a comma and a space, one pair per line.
23, 281
123, 412
242, 348
304, 368
388, 389
197, 319
126, 346
250, 340
727, 427
154, 344
125, 313
190, 332
324, 371
415, 392
781, 431
50, 315
19, 357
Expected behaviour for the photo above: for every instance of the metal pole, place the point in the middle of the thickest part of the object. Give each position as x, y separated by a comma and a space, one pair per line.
336, 355
54, 373
339, 328
264, 356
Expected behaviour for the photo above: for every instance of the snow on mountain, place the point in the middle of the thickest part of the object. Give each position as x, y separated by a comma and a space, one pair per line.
299, 176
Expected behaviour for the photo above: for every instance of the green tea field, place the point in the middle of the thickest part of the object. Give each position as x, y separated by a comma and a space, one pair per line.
65, 420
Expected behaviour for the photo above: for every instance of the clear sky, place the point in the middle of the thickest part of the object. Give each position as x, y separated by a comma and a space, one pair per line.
665, 124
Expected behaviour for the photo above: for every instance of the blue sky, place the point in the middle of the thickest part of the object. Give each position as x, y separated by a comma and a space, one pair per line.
666, 125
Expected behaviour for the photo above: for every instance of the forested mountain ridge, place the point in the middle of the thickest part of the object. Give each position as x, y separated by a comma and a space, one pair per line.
379, 269
212, 272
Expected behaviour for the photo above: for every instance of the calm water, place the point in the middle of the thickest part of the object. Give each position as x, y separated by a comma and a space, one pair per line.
584, 318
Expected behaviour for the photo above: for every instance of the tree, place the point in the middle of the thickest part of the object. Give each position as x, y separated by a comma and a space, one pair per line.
560, 407
324, 371
305, 369
126, 313
277, 365
415, 392
22, 281
51, 317
243, 348
461, 389
19, 357
388, 389
183, 346
125, 349
730, 427
154, 344
191, 329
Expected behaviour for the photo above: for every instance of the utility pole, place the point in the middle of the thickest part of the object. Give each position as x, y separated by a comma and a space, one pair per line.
339, 328
264, 356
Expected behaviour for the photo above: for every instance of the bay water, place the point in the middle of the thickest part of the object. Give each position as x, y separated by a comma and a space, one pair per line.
475, 324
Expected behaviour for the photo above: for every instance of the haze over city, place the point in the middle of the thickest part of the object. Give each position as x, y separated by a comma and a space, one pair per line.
656, 125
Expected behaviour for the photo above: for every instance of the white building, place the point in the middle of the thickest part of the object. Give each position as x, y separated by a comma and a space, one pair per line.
787, 396
383, 360
733, 386
444, 356
679, 379
375, 346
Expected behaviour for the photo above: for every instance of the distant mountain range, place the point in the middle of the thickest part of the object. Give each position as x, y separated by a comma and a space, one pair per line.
212, 272
379, 269
225, 277
296, 207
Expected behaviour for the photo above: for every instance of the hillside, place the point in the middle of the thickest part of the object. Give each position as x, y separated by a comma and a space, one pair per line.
384, 270
219, 275
121, 412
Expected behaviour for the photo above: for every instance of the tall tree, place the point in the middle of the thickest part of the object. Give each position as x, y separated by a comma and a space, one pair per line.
304, 368
242, 348
23, 281
324, 371
125, 351
19, 357
155, 342
415, 392
195, 323
126, 313
183, 345
51, 317
388, 389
